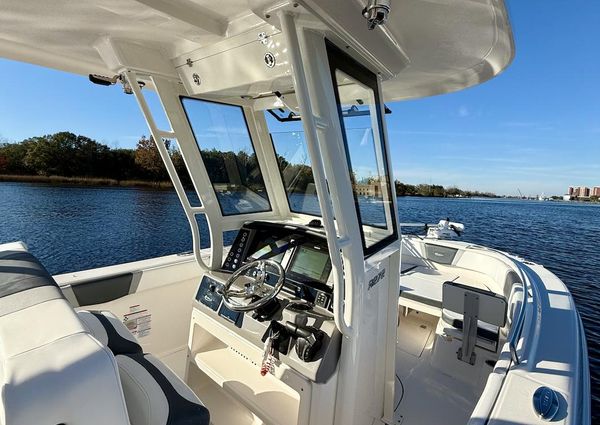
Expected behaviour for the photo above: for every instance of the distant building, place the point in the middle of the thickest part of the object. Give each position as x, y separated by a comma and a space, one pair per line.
584, 192
566, 197
367, 189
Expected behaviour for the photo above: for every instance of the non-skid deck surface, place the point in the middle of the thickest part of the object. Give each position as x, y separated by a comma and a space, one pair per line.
414, 332
425, 395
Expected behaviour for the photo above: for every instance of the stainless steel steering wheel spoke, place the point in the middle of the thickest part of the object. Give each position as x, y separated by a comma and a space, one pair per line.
255, 285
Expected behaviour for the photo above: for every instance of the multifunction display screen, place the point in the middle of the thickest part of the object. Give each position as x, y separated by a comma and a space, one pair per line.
312, 263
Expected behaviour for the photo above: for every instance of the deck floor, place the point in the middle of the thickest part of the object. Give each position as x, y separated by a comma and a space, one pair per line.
424, 394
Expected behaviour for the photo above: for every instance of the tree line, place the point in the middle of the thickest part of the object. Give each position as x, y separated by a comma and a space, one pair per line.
66, 154
433, 190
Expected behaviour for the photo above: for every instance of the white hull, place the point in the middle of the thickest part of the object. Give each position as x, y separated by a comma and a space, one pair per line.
426, 364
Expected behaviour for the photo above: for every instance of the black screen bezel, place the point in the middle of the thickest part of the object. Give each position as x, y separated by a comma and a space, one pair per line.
320, 284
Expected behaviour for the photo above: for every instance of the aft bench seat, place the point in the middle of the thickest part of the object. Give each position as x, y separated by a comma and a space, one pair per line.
153, 393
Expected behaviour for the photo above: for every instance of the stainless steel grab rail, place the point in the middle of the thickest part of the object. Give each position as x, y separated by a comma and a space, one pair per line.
517, 326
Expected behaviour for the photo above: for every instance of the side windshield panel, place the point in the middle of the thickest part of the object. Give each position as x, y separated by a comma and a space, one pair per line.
226, 148
360, 113
294, 163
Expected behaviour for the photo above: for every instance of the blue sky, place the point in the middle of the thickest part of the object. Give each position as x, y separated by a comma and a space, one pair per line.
535, 128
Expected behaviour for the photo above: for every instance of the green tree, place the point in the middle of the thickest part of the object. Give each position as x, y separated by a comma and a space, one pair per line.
148, 158
51, 154
12, 157
180, 167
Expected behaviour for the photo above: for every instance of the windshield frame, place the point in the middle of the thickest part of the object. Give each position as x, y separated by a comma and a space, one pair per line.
265, 181
281, 176
340, 61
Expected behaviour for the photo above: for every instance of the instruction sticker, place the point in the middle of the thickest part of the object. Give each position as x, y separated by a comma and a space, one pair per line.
138, 321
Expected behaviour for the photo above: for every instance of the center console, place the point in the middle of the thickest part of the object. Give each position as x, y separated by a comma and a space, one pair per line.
228, 348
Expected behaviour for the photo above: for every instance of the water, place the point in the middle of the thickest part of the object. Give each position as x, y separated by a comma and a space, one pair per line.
72, 229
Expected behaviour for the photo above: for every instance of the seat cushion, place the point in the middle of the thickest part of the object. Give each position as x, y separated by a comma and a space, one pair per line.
110, 331
155, 395
21, 271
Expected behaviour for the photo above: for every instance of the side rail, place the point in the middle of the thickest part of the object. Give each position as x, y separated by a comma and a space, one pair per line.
516, 353
509, 355
517, 325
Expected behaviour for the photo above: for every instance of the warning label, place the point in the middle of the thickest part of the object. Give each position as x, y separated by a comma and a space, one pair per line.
138, 321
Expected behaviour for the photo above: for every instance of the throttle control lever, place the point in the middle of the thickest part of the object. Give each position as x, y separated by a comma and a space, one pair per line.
308, 340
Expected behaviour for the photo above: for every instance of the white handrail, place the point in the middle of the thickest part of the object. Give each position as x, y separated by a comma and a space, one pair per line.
158, 135
309, 122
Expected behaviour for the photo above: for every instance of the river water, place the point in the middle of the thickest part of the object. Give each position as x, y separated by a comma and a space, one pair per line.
73, 228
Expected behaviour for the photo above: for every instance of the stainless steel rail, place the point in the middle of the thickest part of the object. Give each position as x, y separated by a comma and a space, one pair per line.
517, 326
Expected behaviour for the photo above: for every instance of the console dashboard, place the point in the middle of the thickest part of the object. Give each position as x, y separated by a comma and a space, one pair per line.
308, 340
301, 251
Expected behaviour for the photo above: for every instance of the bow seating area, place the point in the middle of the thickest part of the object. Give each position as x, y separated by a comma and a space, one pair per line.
77, 368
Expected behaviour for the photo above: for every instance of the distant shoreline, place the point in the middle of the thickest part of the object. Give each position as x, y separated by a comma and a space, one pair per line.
167, 185
84, 181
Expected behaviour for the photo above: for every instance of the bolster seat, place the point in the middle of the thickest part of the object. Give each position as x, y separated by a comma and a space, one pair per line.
110, 331
482, 312
153, 393
51, 370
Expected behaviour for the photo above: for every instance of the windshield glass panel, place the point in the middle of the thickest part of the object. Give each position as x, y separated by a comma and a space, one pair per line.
294, 164
226, 148
360, 116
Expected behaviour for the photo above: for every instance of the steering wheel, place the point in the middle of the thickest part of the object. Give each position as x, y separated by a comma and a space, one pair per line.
254, 285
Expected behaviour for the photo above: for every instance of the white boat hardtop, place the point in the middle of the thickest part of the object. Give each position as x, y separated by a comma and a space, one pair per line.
309, 306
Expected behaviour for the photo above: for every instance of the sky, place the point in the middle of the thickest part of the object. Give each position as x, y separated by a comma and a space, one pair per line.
535, 128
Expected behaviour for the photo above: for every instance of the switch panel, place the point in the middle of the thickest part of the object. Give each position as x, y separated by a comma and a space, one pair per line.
207, 293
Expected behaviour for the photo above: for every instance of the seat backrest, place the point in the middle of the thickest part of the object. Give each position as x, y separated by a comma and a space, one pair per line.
491, 306
474, 305
51, 370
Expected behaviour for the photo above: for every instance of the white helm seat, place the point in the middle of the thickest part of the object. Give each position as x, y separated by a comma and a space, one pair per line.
153, 393
51, 370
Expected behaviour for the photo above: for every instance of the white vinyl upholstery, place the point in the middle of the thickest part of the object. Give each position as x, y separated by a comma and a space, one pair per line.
110, 331
153, 393
51, 370
156, 396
